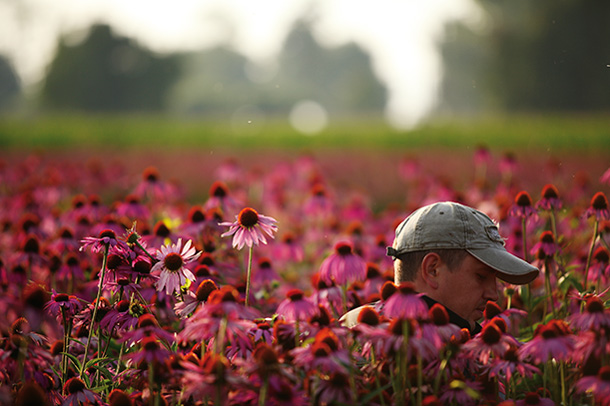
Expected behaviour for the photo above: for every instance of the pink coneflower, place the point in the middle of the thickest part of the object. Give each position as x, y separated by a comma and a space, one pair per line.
598, 207
262, 332
107, 238
119, 398
600, 265
546, 244
509, 364
171, 268
122, 316
265, 274
150, 351
147, 326
212, 378
534, 399
334, 388
285, 393
393, 338
491, 342
62, 302
523, 206
65, 240
549, 198
595, 317
324, 354
132, 208
405, 302
459, 392
343, 266
553, 340
443, 330
598, 385
192, 300
296, 306
318, 204
219, 197
250, 228
288, 249
151, 186
79, 394
161, 233
221, 304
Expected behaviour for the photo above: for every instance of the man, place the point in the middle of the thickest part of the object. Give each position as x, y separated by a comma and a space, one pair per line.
453, 254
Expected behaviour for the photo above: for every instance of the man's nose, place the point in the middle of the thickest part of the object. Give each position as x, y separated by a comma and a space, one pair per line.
491, 290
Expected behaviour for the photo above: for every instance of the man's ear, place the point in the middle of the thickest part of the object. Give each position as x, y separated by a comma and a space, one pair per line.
430, 265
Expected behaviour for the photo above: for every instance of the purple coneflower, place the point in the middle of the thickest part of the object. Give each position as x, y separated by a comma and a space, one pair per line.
598, 207
534, 399
265, 274
598, 385
595, 317
171, 268
147, 326
151, 351
79, 394
324, 354
491, 342
296, 306
219, 197
405, 302
334, 388
250, 228
192, 300
546, 245
63, 305
553, 340
509, 364
549, 198
107, 238
343, 266
523, 206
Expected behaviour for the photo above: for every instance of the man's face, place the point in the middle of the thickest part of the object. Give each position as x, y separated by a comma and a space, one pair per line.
467, 289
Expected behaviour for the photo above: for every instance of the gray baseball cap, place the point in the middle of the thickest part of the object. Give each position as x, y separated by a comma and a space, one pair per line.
449, 225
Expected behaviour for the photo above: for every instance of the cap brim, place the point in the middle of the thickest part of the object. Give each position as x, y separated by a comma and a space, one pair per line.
509, 268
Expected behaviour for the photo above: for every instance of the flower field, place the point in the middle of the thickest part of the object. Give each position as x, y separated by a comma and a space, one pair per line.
123, 286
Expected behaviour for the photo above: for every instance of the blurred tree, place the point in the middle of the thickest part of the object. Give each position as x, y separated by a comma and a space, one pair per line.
340, 79
9, 85
107, 73
212, 81
546, 55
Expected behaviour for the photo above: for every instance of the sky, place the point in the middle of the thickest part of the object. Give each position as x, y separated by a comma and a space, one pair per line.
400, 35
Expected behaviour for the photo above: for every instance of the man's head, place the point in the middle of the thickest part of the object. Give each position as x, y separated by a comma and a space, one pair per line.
453, 253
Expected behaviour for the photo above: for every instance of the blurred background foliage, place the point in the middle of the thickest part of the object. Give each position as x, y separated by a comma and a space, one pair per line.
531, 56
542, 56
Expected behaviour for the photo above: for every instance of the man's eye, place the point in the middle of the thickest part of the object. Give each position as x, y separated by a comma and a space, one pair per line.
480, 277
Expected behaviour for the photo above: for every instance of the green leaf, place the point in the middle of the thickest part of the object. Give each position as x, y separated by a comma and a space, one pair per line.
74, 360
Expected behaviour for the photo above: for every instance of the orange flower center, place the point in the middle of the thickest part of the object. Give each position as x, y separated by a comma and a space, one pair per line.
248, 217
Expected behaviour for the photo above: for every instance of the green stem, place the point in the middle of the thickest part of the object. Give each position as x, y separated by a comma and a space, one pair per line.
262, 397
248, 276
95, 307
563, 383
146, 252
67, 331
524, 238
549, 291
590, 256
420, 379
220, 338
